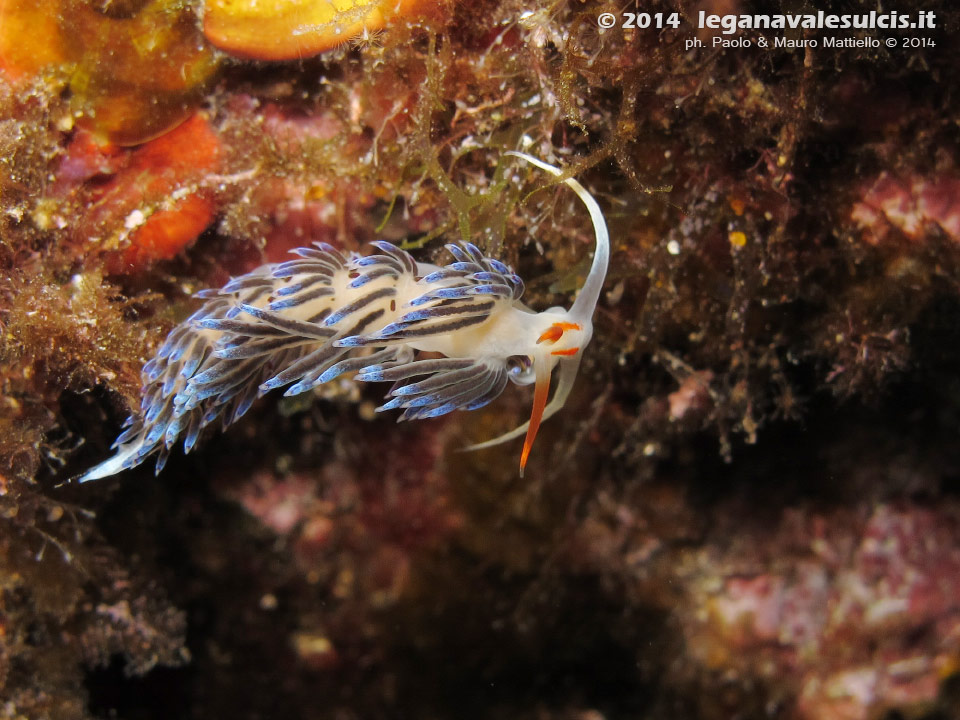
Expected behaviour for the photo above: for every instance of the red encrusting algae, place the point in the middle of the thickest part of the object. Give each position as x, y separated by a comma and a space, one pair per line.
156, 202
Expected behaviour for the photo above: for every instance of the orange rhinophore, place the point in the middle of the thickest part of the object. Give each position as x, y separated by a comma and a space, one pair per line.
555, 332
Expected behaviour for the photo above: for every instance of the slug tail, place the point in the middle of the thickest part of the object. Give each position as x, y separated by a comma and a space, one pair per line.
112, 465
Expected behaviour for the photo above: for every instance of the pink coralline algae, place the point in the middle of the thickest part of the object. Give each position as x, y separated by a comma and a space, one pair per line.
860, 618
692, 397
407, 506
913, 206
354, 531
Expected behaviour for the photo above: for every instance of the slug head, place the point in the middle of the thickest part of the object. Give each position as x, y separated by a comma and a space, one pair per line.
562, 340
562, 335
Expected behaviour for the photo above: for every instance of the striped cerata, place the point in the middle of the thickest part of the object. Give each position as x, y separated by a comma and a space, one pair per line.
305, 322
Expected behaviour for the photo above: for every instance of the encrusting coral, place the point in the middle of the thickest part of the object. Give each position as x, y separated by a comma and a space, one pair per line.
749, 504
295, 29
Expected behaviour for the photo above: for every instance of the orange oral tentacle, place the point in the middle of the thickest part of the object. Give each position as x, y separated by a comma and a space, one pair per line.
541, 391
567, 353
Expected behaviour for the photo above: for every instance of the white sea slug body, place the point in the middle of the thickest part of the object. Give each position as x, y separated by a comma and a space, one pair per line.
304, 322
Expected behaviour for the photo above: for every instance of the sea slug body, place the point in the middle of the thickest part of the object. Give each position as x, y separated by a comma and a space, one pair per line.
304, 322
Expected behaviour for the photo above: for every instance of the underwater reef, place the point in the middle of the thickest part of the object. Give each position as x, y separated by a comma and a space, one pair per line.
750, 505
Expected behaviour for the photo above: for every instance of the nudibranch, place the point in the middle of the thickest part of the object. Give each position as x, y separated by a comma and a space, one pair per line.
304, 322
